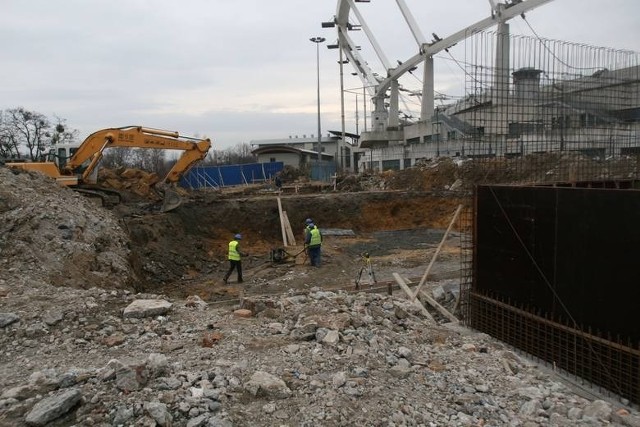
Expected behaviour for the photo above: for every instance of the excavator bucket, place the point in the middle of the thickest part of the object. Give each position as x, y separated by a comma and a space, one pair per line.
171, 200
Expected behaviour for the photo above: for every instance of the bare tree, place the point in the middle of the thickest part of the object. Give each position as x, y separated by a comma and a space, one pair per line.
9, 147
238, 154
23, 129
61, 134
150, 160
117, 157
27, 128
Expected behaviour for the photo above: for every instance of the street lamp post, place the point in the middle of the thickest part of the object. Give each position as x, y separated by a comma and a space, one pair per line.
341, 61
317, 41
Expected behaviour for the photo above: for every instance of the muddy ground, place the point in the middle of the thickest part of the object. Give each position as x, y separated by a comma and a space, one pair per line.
183, 252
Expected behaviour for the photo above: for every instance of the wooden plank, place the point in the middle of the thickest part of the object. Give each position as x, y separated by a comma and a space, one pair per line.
287, 226
407, 291
438, 307
284, 233
433, 259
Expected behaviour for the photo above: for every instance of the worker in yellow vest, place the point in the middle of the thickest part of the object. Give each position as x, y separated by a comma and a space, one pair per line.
307, 229
235, 258
313, 243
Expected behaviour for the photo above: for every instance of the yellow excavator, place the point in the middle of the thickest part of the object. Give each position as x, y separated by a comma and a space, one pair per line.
80, 170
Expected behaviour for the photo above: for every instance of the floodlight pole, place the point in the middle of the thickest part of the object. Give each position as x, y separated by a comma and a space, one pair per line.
340, 146
317, 41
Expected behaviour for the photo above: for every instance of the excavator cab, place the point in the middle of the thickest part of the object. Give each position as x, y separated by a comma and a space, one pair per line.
61, 153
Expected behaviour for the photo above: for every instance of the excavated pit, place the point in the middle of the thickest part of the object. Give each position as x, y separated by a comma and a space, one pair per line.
183, 252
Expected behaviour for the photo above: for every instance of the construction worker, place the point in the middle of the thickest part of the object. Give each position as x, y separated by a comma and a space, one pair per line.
306, 232
278, 182
313, 243
307, 222
235, 258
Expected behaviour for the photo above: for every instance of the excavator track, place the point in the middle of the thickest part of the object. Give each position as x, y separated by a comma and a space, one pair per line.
108, 196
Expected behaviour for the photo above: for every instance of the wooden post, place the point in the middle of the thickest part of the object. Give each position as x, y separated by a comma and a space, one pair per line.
438, 307
417, 302
287, 227
433, 259
284, 232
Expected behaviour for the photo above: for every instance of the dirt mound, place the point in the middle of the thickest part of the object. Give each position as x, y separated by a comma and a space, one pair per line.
542, 168
133, 183
55, 235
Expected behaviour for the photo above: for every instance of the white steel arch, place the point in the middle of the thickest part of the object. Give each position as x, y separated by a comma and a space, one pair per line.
379, 86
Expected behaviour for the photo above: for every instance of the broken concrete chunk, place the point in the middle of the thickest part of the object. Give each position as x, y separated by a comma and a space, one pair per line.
147, 308
243, 313
50, 408
52, 318
267, 385
159, 412
8, 318
194, 301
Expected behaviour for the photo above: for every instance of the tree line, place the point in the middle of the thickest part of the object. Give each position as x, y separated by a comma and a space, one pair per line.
30, 135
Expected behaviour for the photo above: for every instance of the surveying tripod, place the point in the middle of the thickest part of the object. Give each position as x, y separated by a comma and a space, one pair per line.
367, 268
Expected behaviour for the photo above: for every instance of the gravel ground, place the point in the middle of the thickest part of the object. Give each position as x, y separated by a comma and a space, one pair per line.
80, 346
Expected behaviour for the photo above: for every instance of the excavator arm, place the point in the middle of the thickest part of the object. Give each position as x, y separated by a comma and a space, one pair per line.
80, 167
88, 155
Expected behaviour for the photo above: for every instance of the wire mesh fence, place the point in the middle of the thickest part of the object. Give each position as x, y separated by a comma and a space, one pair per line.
545, 112
573, 106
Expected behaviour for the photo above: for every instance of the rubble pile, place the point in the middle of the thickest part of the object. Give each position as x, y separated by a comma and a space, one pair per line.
54, 235
133, 181
445, 173
321, 358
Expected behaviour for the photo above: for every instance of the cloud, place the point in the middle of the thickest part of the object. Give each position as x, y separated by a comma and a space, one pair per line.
236, 71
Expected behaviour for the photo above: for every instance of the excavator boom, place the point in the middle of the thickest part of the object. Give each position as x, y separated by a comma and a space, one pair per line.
91, 150
80, 167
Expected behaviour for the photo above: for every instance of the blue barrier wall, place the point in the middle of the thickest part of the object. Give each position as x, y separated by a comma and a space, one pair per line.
221, 176
322, 171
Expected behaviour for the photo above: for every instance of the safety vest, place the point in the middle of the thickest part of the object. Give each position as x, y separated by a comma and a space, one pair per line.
234, 255
316, 238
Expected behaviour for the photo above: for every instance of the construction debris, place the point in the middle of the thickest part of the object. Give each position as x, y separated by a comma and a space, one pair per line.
305, 355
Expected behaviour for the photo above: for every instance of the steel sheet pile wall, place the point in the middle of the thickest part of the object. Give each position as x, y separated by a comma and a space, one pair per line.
555, 274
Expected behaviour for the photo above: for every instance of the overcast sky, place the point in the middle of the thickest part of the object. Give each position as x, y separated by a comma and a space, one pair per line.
233, 70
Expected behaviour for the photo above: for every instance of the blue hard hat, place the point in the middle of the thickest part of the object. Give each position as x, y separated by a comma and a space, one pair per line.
308, 221
238, 236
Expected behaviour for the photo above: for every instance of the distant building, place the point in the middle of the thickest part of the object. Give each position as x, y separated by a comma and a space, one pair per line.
597, 115
300, 151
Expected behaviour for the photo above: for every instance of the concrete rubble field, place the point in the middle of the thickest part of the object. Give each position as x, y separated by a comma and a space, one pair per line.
120, 316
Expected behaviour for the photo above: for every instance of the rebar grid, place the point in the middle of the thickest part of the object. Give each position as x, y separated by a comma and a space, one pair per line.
609, 362
551, 113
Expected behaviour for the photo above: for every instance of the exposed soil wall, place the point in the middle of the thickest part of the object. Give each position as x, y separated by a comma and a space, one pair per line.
193, 239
